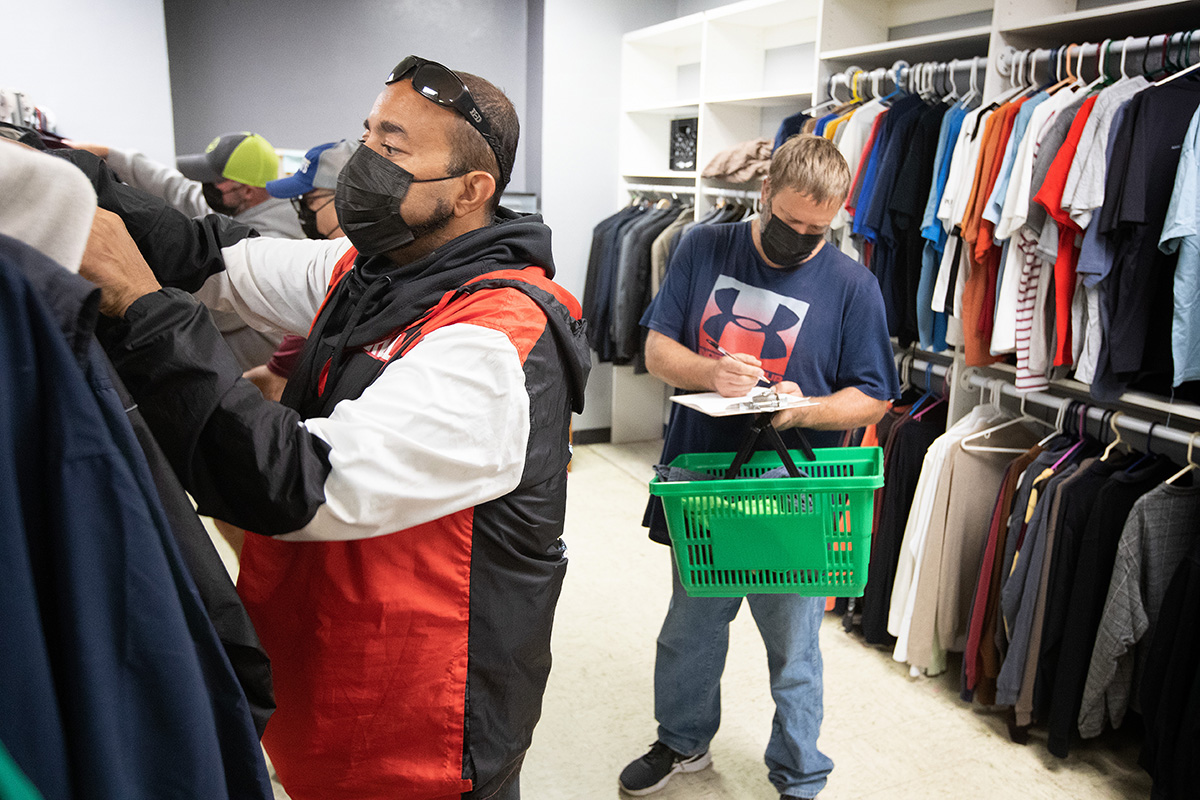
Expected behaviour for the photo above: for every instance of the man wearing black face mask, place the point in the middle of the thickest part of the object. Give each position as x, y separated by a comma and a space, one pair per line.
228, 178
799, 315
410, 489
312, 187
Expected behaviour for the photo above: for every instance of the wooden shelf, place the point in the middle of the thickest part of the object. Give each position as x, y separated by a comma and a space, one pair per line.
934, 47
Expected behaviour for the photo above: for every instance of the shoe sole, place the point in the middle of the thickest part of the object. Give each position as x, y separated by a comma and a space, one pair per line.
694, 764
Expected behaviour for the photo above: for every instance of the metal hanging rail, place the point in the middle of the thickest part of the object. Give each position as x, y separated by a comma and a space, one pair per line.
1165, 52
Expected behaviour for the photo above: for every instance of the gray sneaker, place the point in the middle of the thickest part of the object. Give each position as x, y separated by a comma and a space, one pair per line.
651, 772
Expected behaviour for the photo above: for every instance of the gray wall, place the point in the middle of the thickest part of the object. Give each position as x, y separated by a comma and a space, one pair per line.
306, 71
100, 67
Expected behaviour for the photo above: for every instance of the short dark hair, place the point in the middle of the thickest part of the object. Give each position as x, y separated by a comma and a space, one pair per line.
470, 151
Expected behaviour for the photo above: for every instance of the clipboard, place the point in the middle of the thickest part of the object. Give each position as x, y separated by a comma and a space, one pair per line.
716, 405
762, 404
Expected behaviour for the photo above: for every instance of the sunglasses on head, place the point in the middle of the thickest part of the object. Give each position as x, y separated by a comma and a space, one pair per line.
442, 85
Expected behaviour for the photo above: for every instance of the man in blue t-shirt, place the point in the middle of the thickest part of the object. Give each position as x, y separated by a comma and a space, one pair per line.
796, 313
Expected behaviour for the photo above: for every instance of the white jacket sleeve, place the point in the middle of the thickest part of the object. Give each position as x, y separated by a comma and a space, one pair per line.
274, 284
443, 429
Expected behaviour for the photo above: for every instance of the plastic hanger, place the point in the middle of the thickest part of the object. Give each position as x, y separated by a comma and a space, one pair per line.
1124, 50
974, 90
1191, 464
1100, 77
1183, 71
1149, 454
941, 398
1112, 423
828, 88
912, 412
1081, 433
1071, 78
967, 442
1059, 420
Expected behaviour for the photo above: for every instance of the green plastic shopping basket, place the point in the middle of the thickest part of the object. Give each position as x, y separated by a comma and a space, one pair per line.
746, 535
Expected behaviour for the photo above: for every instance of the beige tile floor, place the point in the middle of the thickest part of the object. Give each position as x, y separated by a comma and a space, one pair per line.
890, 736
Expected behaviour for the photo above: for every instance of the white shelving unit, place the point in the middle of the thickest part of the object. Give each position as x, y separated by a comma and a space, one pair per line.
741, 69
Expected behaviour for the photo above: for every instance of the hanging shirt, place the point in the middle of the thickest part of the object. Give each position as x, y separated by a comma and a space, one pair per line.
1084, 192
995, 204
1135, 208
1049, 197
855, 134
1181, 234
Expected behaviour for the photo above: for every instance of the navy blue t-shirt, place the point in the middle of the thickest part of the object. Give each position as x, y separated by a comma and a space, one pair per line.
821, 326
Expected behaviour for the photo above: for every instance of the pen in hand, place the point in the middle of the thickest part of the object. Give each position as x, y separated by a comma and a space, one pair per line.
712, 343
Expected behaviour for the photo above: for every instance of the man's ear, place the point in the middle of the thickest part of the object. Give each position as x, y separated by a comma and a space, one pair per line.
478, 188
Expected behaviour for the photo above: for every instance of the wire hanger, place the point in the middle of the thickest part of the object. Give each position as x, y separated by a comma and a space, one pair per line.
1191, 464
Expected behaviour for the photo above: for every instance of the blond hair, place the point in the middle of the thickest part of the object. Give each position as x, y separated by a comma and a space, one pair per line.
811, 166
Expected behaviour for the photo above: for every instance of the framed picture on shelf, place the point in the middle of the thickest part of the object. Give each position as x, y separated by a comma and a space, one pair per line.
683, 144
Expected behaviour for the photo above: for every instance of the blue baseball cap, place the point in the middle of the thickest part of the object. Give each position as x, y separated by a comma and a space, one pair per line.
319, 170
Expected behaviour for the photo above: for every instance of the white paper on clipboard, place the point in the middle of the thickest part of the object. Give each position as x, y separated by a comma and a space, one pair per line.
715, 405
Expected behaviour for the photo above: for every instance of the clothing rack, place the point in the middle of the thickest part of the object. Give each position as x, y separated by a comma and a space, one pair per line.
1171, 51
1140, 433
915, 371
933, 76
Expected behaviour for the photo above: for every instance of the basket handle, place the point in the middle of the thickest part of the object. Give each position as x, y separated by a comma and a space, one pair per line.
760, 427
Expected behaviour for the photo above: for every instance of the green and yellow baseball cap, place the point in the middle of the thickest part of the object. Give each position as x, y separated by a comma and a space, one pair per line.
243, 157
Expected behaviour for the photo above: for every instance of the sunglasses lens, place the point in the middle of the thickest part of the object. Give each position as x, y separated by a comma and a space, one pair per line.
437, 83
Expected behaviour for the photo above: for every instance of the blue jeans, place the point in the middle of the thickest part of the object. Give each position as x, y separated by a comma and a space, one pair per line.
687, 679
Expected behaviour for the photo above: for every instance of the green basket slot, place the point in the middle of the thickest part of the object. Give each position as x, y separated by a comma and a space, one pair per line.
808, 536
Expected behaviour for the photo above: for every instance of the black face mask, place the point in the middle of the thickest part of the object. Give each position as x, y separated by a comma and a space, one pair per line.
369, 192
308, 219
216, 200
784, 246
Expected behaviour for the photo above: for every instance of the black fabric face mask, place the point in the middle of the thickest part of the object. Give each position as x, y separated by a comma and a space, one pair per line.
784, 246
216, 200
308, 219
369, 192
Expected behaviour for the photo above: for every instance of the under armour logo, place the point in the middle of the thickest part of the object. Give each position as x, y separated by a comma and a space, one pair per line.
773, 345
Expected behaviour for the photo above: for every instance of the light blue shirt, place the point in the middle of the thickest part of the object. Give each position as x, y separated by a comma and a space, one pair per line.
931, 226
1181, 234
995, 204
